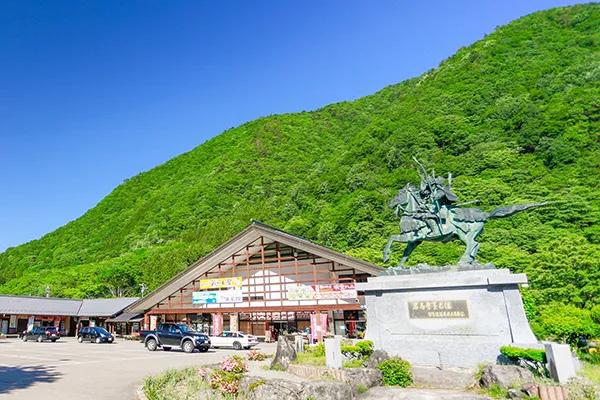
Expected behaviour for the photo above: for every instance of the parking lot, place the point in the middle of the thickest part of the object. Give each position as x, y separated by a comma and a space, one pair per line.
69, 370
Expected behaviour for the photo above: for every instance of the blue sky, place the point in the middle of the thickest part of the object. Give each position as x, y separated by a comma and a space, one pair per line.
93, 92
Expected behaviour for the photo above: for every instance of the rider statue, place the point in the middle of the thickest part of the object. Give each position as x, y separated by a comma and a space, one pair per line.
431, 214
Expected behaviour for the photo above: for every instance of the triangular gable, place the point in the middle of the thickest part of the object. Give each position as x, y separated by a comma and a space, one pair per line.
245, 240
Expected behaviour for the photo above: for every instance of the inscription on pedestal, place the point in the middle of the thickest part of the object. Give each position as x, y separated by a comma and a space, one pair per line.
438, 309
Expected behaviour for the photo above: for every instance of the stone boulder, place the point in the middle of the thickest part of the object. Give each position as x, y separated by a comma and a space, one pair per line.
505, 376
366, 377
443, 379
376, 358
326, 390
286, 353
275, 389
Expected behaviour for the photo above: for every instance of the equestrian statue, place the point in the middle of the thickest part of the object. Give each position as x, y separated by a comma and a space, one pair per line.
431, 213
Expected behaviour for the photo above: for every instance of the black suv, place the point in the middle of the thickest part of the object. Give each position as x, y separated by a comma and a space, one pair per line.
42, 333
94, 334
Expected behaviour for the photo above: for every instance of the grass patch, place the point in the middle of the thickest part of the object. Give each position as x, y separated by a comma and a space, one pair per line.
174, 384
497, 392
310, 359
278, 367
265, 367
353, 364
592, 372
361, 388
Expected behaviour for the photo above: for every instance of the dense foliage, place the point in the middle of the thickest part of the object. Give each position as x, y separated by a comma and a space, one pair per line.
396, 372
515, 117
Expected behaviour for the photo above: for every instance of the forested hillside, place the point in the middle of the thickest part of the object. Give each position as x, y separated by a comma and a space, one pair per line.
515, 117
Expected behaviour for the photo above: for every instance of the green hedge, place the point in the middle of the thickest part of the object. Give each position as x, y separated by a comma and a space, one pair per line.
515, 353
396, 372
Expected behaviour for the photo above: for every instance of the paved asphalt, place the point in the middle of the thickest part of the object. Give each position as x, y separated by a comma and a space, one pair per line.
67, 370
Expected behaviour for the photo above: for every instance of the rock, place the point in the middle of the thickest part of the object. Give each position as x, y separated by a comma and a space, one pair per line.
276, 389
249, 383
212, 394
285, 353
366, 377
326, 390
516, 394
531, 389
376, 358
442, 379
505, 376
394, 393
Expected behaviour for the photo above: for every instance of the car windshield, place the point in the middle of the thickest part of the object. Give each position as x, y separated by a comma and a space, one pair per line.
102, 330
185, 328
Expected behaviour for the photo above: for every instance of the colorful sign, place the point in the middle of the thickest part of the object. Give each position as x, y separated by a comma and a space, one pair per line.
318, 328
218, 283
218, 297
217, 327
323, 292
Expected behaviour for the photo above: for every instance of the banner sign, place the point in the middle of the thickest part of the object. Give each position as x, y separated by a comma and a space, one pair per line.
30, 322
13, 322
218, 297
217, 324
218, 283
323, 292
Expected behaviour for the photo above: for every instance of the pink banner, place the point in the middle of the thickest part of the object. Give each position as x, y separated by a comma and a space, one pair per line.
324, 324
217, 324
313, 326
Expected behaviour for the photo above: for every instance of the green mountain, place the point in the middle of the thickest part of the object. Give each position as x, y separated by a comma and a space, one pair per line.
515, 117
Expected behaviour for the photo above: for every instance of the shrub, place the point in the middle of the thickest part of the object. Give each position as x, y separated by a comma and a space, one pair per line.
361, 388
353, 364
318, 350
595, 314
255, 355
235, 364
396, 372
226, 382
360, 350
533, 359
565, 323
515, 353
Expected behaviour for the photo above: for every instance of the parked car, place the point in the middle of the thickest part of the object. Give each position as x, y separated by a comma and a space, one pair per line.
94, 334
235, 339
175, 335
41, 333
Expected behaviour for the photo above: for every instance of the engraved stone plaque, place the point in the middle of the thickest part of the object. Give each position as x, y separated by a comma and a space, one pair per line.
438, 309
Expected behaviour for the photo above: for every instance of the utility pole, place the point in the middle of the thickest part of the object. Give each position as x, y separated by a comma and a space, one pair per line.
143, 288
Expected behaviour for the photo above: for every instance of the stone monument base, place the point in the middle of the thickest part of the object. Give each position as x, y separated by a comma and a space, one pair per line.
454, 318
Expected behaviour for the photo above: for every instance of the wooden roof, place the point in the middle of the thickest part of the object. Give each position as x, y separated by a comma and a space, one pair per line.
253, 232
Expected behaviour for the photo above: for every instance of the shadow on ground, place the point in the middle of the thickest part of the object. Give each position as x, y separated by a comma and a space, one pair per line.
15, 378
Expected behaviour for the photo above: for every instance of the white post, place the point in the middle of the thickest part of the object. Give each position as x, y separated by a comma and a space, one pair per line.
333, 353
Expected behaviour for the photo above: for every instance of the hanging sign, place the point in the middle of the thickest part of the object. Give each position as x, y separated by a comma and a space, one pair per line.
218, 297
218, 283
323, 292
13, 322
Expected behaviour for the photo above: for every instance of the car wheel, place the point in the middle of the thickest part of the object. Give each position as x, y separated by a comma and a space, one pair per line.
80, 339
151, 344
98, 340
166, 348
203, 349
237, 346
24, 338
53, 340
188, 346
39, 339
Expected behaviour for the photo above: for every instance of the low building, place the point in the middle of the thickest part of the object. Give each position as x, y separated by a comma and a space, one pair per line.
20, 313
264, 281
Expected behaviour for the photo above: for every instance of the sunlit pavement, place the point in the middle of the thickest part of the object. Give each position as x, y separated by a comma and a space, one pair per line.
70, 370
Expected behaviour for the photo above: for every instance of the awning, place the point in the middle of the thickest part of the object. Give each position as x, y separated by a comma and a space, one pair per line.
127, 317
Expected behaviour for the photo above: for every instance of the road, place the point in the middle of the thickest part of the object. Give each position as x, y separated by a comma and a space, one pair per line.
68, 370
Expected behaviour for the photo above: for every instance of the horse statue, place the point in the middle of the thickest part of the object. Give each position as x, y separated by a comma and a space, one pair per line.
429, 214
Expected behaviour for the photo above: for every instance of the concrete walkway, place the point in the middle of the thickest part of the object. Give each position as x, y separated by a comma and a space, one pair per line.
390, 393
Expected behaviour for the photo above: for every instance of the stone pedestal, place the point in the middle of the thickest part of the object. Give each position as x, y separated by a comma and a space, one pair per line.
560, 362
450, 318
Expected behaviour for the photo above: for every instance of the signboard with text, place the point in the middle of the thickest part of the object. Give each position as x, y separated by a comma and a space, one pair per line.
218, 296
323, 292
218, 283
